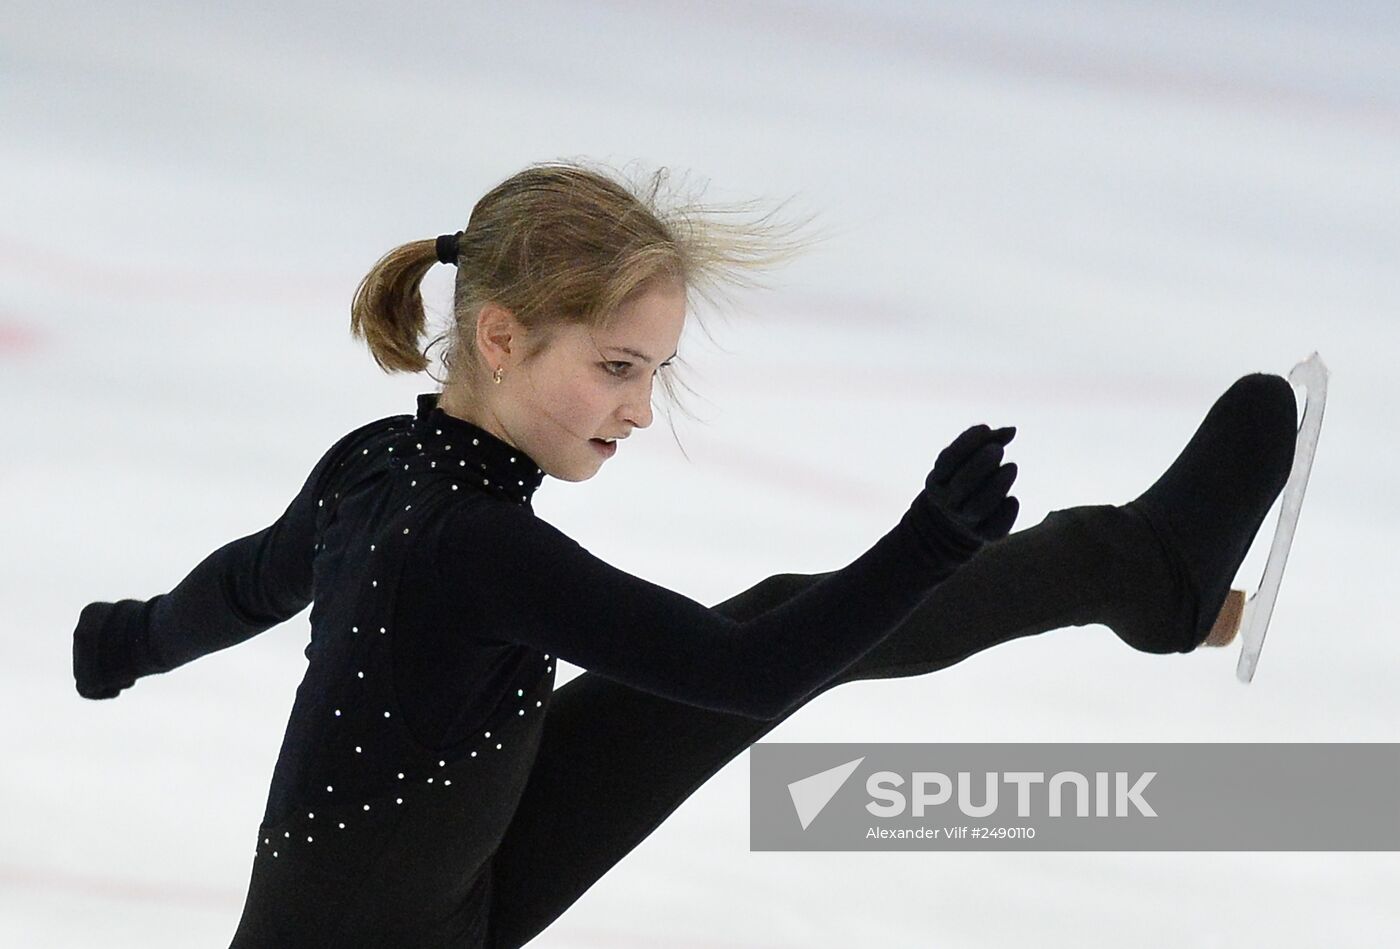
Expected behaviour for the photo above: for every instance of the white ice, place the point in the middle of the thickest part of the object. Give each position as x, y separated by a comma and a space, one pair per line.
1083, 219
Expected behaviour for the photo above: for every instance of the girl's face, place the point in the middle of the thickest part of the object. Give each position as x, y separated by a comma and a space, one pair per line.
586, 385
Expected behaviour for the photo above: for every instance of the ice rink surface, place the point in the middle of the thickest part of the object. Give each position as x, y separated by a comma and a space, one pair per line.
1082, 219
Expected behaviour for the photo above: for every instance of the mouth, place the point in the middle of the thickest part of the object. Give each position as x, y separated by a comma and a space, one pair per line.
605, 448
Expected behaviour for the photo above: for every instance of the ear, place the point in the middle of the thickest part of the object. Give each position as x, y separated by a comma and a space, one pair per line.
497, 332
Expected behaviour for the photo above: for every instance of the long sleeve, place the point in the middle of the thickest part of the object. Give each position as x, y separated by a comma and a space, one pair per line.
244, 587
531, 584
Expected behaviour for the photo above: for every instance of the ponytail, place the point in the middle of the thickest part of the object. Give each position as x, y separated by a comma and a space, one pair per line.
387, 312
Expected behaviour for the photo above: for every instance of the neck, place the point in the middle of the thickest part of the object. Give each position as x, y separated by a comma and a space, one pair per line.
451, 403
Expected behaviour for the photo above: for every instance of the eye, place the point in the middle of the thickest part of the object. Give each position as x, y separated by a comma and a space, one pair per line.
624, 365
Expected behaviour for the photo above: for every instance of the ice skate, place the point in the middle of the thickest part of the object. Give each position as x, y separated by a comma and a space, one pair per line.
1252, 615
1206, 510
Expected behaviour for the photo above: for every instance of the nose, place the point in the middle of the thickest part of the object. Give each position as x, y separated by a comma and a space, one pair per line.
638, 412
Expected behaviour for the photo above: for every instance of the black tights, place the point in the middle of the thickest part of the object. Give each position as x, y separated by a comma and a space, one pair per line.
615, 762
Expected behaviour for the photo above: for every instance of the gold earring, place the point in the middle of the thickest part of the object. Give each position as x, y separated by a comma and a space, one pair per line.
496, 376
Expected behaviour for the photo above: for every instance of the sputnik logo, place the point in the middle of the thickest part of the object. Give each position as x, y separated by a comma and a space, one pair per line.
811, 794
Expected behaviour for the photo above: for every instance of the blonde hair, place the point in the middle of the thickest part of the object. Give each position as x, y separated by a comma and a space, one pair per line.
558, 243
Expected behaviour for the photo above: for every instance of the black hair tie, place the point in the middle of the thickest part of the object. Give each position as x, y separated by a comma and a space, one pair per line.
447, 248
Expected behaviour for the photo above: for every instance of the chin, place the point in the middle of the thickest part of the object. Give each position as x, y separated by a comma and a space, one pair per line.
578, 474
574, 470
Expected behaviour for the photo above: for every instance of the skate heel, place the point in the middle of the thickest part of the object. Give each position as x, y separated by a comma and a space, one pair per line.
1227, 624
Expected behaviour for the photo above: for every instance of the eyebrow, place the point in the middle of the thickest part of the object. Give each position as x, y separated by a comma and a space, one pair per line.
642, 356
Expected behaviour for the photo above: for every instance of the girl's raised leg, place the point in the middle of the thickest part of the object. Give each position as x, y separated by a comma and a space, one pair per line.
615, 762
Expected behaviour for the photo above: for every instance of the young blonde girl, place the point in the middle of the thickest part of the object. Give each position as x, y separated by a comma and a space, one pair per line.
433, 788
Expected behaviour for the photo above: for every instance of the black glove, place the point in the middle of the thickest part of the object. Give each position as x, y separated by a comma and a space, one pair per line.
108, 647
964, 504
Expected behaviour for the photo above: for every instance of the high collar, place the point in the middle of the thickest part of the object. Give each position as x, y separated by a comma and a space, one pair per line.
452, 445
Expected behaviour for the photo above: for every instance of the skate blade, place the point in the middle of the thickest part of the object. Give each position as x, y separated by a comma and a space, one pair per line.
1311, 374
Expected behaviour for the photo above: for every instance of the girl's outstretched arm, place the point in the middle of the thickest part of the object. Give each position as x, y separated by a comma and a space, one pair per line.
516, 578
519, 579
241, 589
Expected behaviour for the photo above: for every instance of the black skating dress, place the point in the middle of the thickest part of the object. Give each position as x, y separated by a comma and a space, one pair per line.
441, 604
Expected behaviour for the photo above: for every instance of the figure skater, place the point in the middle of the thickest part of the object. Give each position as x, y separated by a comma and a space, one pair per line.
432, 788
